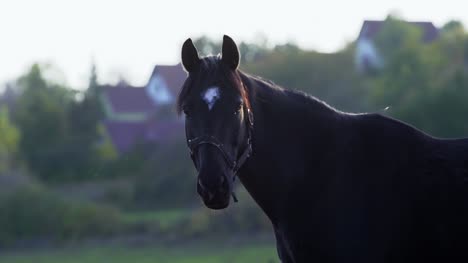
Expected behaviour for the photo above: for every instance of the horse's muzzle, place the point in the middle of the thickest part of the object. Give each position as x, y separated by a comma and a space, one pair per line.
215, 198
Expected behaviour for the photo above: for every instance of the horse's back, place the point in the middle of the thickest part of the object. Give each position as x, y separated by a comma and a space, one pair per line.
384, 192
422, 184
451, 163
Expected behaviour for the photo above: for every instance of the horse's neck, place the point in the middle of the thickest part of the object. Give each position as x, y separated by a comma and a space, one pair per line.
282, 130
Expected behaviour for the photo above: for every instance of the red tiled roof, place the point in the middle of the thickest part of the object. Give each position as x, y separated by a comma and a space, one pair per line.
370, 28
124, 135
174, 75
126, 98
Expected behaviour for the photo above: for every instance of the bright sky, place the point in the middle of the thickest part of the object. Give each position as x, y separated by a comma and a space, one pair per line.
128, 37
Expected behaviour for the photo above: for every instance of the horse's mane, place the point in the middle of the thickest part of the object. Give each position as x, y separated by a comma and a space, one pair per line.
293, 96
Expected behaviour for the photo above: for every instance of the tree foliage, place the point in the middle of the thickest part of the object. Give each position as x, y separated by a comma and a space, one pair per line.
250, 52
9, 141
425, 84
59, 132
330, 77
42, 119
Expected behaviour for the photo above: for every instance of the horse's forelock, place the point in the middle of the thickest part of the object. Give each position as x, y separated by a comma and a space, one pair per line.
211, 65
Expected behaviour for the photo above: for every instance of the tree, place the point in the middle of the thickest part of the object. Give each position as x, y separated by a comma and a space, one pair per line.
452, 25
395, 35
41, 116
8, 141
250, 52
425, 84
329, 77
93, 86
85, 133
61, 134
84, 117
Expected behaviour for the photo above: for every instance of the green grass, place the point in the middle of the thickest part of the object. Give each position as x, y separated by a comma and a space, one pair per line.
182, 253
165, 218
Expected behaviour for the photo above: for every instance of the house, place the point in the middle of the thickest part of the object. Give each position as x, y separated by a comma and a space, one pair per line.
144, 114
367, 55
126, 103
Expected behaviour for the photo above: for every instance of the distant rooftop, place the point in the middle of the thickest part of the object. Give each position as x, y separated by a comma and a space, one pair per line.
174, 75
370, 28
127, 98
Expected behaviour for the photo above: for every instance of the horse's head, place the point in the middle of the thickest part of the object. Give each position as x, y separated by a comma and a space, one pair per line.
218, 120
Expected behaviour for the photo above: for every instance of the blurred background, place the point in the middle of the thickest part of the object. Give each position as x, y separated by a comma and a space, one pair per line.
93, 162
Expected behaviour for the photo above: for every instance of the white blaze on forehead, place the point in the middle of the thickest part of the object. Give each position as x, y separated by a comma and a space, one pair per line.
210, 96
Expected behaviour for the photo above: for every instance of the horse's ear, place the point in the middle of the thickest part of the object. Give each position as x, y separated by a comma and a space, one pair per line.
230, 54
190, 58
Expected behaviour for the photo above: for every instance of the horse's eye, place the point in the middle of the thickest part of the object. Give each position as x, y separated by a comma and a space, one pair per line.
238, 109
186, 111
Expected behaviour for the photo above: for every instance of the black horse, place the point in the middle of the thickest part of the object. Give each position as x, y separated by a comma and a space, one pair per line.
337, 187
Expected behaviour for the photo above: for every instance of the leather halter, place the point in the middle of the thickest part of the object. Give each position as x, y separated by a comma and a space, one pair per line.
234, 163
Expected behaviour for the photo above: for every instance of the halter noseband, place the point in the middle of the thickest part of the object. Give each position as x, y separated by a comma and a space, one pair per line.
234, 163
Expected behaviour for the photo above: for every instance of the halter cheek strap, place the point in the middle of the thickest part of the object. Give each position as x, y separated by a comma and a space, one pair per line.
234, 163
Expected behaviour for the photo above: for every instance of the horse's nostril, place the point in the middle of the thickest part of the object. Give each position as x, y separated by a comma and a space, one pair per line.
209, 195
201, 185
205, 192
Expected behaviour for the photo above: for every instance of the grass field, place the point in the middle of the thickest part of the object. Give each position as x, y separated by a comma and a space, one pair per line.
193, 252
165, 218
